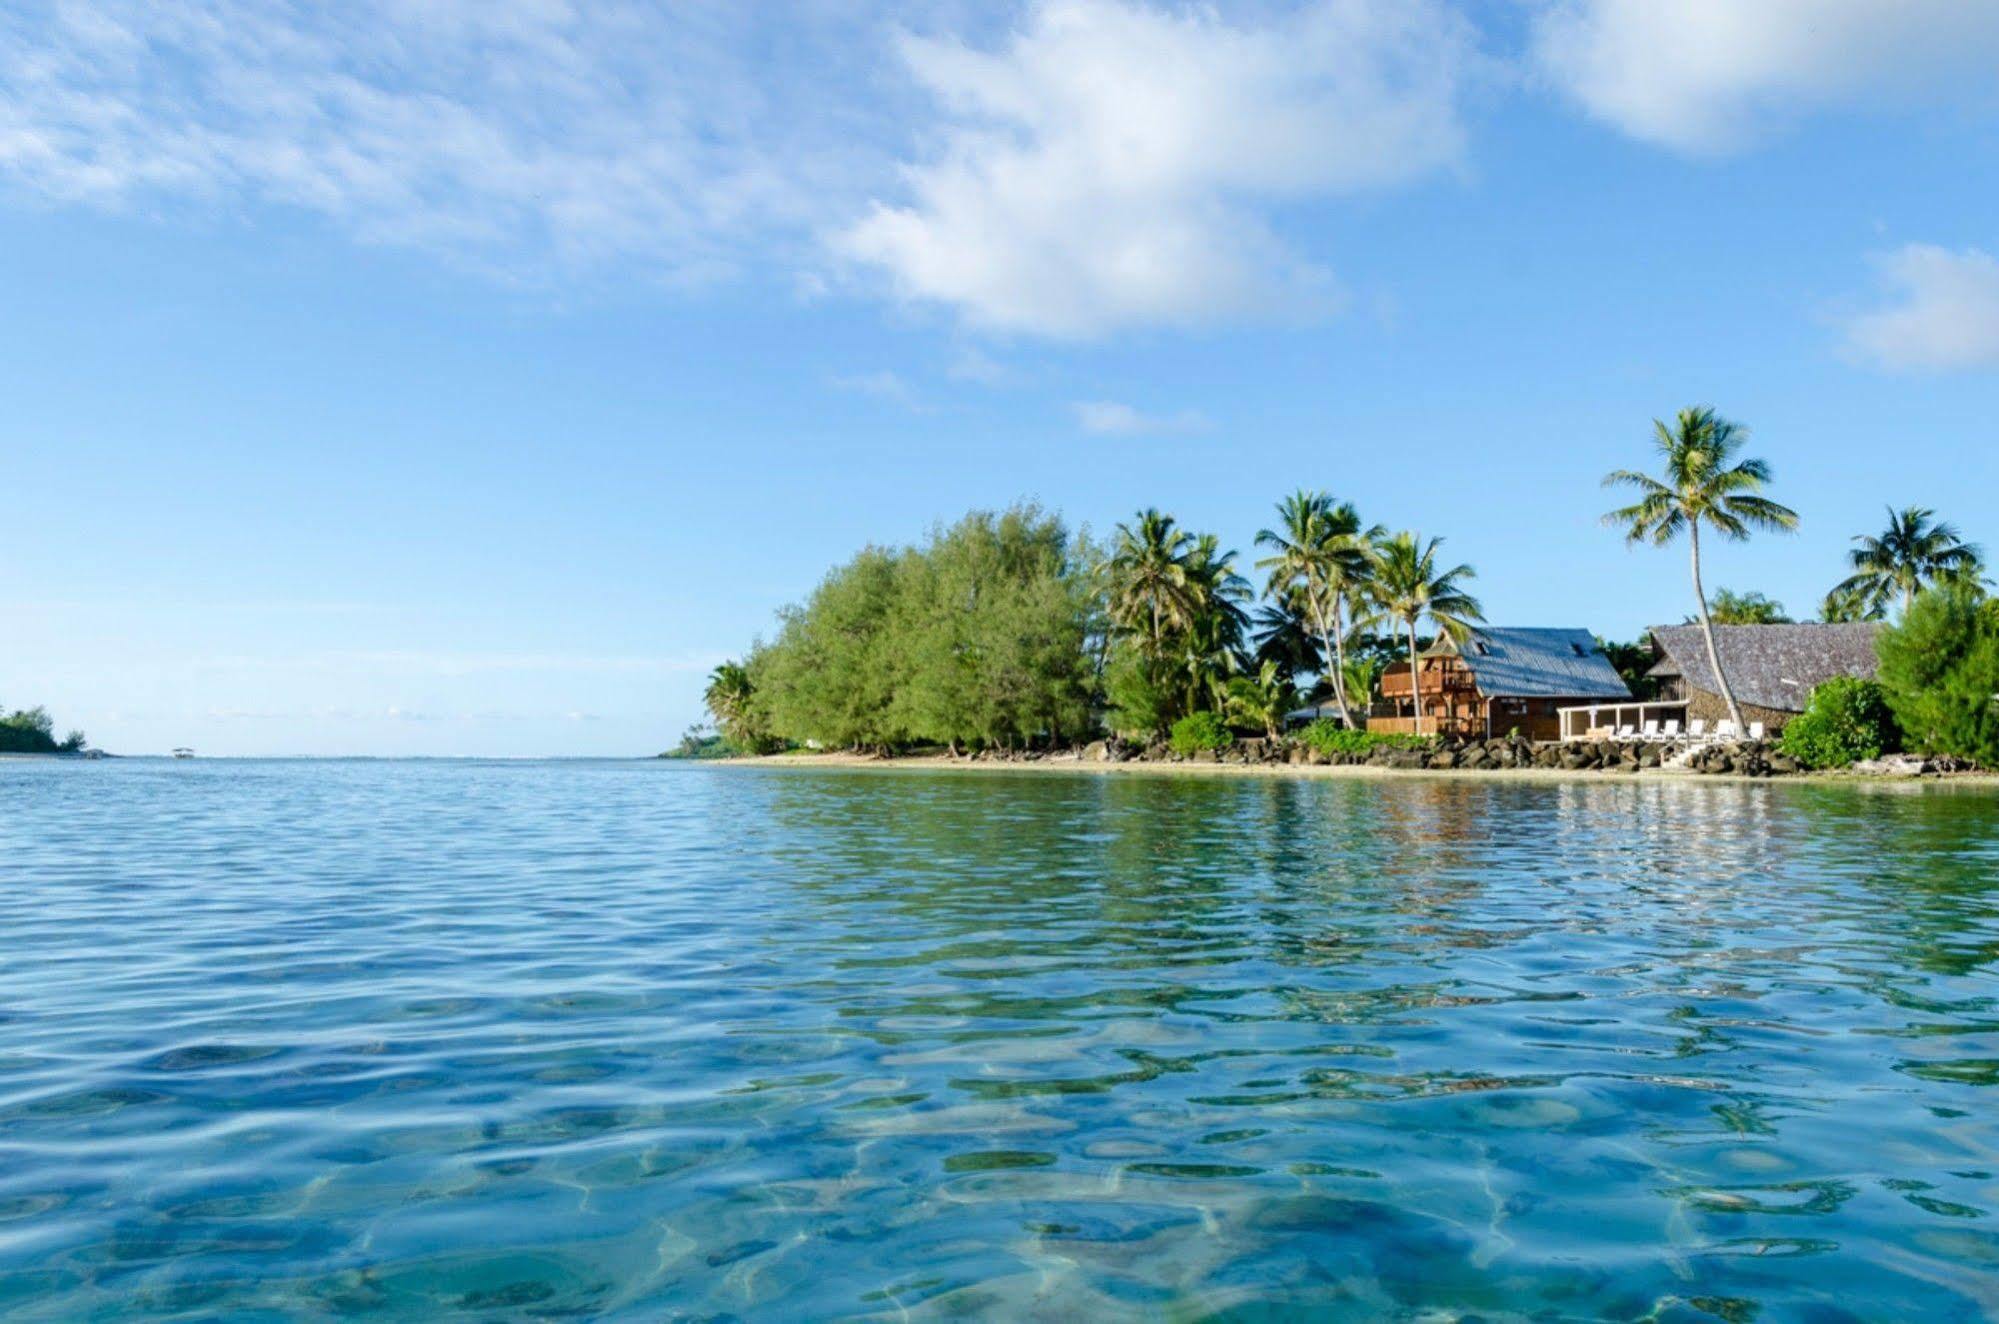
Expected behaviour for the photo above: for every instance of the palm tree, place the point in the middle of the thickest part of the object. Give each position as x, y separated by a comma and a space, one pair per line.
1700, 486
1284, 634
1360, 674
1148, 588
728, 694
1915, 551
1408, 587
1262, 699
1846, 604
1213, 637
1322, 554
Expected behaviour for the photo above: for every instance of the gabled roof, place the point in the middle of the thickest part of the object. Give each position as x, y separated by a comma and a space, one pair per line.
1510, 662
1770, 666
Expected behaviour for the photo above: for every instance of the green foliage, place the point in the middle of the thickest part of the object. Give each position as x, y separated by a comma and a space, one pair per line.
1136, 706
833, 672
1702, 485
732, 700
1260, 701
1845, 605
1633, 662
1173, 602
1846, 720
981, 636
701, 742
1197, 732
1916, 551
1727, 607
32, 731
1330, 738
1940, 672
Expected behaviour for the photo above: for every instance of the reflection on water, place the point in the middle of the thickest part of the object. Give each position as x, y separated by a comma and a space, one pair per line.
618, 1041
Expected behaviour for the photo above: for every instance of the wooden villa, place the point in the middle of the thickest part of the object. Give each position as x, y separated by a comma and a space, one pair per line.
1501, 679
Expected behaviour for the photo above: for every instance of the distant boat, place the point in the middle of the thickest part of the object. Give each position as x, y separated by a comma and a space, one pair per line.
183, 752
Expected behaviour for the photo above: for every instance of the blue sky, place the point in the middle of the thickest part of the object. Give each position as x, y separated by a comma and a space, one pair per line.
464, 378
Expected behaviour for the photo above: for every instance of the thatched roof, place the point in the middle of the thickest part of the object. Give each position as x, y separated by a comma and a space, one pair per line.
1770, 666
1520, 662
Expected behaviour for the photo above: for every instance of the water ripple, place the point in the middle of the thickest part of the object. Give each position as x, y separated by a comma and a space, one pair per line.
623, 1041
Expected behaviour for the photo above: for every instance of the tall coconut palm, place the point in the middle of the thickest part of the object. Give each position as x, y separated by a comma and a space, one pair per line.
1915, 551
1321, 553
1702, 483
1213, 638
1409, 588
1147, 589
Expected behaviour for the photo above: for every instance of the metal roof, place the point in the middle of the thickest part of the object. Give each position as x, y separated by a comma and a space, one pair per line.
1770, 666
1519, 662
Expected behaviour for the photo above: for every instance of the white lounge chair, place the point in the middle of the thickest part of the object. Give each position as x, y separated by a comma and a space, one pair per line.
1756, 730
1697, 729
1726, 729
1627, 732
1671, 730
1651, 729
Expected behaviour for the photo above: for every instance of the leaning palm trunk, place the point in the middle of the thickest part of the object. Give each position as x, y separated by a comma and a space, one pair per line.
1707, 633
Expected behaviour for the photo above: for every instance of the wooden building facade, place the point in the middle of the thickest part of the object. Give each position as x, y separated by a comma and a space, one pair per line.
1500, 680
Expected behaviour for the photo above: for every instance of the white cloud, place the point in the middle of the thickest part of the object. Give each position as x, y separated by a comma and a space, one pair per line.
1108, 418
1112, 165
1711, 75
513, 133
1942, 311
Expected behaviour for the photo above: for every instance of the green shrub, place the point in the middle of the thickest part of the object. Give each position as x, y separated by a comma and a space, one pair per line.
1200, 731
1846, 720
1940, 673
1329, 738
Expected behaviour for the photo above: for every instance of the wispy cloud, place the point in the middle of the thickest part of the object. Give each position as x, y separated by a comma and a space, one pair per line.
883, 385
1941, 311
512, 132
1108, 418
1714, 75
1112, 165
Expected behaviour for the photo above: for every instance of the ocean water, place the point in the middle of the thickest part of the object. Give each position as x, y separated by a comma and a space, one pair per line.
295, 1040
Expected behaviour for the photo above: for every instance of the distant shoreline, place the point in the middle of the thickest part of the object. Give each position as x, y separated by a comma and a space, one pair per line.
1072, 765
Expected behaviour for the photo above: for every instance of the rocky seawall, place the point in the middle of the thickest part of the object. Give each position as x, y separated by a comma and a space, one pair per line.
1746, 758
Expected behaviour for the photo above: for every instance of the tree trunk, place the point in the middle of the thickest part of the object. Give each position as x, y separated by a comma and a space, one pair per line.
1339, 656
1335, 649
1707, 633
1415, 686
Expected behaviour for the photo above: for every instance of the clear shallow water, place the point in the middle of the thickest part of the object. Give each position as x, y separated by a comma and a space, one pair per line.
508, 1041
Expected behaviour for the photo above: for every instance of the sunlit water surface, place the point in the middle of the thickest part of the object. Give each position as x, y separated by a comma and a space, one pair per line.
513, 1041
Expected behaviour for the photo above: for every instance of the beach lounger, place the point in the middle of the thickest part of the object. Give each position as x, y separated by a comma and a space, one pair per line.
1726, 729
1756, 730
1652, 729
1671, 730
1627, 732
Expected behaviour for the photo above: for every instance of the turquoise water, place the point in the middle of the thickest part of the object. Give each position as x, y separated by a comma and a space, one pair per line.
631, 1041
